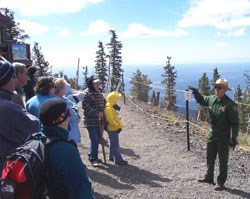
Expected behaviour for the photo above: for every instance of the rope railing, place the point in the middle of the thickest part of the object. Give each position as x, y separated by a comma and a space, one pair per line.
163, 118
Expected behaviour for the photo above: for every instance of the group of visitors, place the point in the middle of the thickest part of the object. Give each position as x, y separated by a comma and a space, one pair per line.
51, 107
48, 112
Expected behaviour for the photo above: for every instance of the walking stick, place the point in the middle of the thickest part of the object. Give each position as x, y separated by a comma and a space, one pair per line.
102, 141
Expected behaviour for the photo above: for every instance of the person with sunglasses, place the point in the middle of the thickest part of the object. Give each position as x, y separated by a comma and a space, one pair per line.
67, 175
223, 130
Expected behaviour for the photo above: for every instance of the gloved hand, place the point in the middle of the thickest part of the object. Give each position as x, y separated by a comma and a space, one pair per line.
195, 90
119, 130
232, 143
196, 93
117, 107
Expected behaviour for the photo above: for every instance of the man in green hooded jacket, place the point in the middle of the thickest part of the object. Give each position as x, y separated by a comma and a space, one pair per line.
223, 130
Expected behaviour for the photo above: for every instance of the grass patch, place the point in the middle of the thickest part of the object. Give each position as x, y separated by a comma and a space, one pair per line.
244, 141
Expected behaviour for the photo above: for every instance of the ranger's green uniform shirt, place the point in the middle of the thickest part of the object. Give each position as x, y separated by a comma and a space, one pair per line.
223, 117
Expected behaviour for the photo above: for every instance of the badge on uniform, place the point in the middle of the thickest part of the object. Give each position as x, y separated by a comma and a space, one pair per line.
223, 109
235, 108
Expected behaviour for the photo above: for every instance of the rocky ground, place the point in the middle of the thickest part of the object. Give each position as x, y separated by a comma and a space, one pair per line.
160, 166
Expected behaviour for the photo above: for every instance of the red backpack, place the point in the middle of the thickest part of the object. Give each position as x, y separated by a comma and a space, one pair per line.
25, 172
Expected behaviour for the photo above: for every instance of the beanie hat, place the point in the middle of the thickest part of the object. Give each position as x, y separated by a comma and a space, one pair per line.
31, 70
7, 71
53, 112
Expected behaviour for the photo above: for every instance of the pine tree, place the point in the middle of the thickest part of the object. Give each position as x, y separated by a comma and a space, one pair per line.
140, 86
246, 100
13, 32
44, 68
101, 65
115, 61
170, 76
153, 98
242, 108
204, 89
85, 75
216, 76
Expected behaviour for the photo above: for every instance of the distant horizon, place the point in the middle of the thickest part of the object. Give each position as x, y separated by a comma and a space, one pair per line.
148, 65
233, 72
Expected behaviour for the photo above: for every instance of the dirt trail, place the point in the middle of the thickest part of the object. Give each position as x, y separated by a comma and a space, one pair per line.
160, 165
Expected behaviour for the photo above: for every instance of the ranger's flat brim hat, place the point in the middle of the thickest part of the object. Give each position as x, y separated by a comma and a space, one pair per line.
223, 82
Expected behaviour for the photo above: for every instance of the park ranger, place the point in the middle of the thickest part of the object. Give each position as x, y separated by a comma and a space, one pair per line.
223, 130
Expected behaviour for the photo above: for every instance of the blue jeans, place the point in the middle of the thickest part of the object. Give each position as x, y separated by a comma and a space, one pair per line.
94, 135
114, 148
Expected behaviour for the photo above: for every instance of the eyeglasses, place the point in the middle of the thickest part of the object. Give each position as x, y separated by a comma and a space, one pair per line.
218, 87
62, 117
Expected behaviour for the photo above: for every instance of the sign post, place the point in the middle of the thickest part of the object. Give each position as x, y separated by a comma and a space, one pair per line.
187, 95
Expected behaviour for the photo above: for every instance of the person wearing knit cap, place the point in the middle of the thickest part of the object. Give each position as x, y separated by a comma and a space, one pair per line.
7, 72
67, 173
21, 80
29, 88
15, 124
93, 112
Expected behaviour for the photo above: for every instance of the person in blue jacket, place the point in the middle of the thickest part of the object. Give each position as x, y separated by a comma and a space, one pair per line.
44, 89
67, 176
74, 130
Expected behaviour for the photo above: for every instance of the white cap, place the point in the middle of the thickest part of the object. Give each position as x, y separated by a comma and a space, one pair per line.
76, 97
68, 90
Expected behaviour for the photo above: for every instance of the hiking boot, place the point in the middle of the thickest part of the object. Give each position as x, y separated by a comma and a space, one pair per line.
95, 164
205, 180
111, 159
123, 162
219, 187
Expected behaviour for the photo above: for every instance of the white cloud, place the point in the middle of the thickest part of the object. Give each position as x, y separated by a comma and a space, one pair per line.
46, 7
139, 30
98, 27
223, 14
221, 44
64, 32
238, 32
32, 28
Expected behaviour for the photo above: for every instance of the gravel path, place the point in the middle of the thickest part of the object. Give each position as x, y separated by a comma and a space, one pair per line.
160, 165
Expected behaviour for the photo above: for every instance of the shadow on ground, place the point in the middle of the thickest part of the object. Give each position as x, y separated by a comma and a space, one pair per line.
101, 196
129, 152
238, 192
124, 177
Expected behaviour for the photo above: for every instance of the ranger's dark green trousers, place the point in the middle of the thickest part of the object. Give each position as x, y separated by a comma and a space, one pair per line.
220, 147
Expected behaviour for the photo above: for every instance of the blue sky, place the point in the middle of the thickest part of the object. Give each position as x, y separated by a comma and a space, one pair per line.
191, 31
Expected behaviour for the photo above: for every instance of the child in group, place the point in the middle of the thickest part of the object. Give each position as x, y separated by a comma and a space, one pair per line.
114, 127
